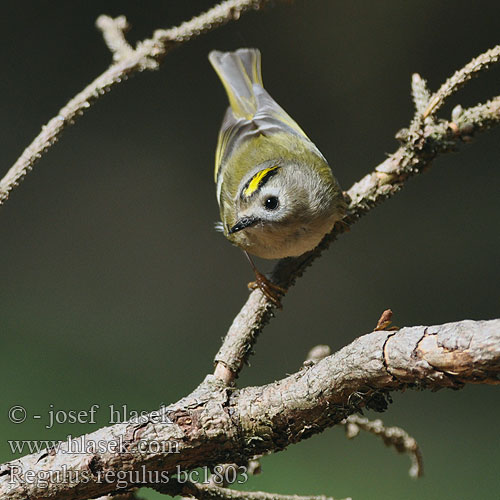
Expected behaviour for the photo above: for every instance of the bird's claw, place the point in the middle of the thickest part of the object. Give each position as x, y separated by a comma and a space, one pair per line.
269, 289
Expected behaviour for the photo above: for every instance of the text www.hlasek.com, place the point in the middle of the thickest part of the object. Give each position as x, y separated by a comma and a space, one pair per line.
84, 445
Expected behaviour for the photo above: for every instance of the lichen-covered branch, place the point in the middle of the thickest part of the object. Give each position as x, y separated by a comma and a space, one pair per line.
421, 143
147, 55
216, 424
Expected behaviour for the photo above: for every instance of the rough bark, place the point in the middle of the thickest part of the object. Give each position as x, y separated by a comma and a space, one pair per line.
219, 424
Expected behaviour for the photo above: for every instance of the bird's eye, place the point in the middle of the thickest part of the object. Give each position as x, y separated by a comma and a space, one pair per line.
271, 203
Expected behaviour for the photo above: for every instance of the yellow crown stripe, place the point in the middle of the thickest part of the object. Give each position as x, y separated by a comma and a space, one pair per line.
256, 180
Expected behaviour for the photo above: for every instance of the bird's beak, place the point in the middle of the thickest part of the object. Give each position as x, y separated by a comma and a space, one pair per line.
243, 223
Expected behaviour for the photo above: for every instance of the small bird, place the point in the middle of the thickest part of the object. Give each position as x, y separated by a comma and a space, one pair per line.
276, 192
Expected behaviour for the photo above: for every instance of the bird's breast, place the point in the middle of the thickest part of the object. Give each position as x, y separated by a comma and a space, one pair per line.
272, 241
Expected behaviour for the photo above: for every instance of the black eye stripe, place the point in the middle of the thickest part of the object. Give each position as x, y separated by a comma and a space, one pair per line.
255, 184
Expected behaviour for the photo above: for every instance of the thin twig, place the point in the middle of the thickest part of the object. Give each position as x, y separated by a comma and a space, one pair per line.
460, 77
481, 116
147, 55
420, 93
396, 437
113, 31
210, 492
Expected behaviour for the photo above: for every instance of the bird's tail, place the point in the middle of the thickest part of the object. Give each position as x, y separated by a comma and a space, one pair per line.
238, 72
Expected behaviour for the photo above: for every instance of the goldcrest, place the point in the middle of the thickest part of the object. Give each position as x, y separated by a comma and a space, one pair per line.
276, 192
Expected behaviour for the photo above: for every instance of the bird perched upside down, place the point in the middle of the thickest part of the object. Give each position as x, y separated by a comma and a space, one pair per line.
277, 195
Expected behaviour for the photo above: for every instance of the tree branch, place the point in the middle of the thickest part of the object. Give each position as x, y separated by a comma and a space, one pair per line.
396, 437
127, 61
421, 144
460, 77
216, 424
208, 492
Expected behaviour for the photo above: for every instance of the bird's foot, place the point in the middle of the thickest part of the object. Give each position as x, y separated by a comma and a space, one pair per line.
269, 289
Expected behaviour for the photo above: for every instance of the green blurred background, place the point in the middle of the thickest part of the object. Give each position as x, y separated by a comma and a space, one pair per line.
115, 289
